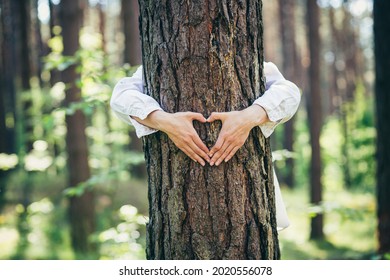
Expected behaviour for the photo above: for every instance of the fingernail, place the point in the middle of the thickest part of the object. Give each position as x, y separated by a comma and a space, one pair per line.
212, 163
217, 163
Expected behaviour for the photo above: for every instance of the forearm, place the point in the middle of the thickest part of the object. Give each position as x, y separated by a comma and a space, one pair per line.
255, 115
155, 120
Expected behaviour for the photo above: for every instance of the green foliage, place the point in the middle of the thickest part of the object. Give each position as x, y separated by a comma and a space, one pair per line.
110, 159
362, 144
8, 161
359, 145
124, 241
113, 173
349, 225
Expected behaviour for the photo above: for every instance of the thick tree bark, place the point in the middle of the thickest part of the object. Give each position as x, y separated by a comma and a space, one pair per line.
81, 209
206, 56
290, 70
315, 115
382, 89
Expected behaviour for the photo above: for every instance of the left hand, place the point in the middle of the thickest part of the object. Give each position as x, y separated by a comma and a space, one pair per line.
236, 126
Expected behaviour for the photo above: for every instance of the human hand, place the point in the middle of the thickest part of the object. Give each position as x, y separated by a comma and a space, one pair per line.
180, 129
236, 126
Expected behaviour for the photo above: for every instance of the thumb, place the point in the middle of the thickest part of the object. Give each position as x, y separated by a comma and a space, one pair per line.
197, 116
216, 116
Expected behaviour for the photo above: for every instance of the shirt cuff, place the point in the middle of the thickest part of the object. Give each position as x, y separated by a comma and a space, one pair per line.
140, 129
274, 117
268, 128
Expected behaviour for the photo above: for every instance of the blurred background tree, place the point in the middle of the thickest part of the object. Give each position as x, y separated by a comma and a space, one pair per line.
61, 148
382, 88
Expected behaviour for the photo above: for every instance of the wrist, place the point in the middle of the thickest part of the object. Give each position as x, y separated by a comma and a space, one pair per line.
256, 115
158, 119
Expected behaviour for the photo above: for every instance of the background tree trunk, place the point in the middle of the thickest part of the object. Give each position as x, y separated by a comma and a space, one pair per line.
204, 58
133, 56
54, 21
130, 15
315, 115
290, 71
382, 89
24, 23
81, 209
3, 102
8, 117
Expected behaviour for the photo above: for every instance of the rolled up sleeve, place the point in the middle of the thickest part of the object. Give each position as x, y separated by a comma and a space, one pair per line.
128, 100
280, 100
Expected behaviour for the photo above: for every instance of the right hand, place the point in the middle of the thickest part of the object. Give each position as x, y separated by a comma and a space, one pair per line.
180, 129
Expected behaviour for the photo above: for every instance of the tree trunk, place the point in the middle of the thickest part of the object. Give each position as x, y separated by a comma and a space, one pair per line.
334, 98
338, 91
8, 117
81, 209
38, 51
290, 70
55, 76
314, 113
382, 89
3, 126
130, 14
133, 56
102, 25
206, 57
24, 18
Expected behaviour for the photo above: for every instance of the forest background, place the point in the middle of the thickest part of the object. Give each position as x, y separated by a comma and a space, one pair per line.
40, 212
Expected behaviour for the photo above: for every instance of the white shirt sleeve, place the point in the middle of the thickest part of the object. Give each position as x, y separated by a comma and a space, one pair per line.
129, 100
280, 100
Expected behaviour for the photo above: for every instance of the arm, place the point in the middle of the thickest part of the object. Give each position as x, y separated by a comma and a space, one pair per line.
277, 105
134, 107
129, 100
280, 100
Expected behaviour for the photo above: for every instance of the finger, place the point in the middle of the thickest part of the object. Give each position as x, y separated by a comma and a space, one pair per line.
195, 156
218, 145
187, 152
197, 152
225, 154
232, 153
215, 116
201, 145
191, 154
218, 154
197, 116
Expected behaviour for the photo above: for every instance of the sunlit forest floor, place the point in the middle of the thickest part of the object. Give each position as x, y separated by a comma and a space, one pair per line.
349, 227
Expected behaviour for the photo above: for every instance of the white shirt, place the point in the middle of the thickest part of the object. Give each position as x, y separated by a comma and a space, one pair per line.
280, 100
